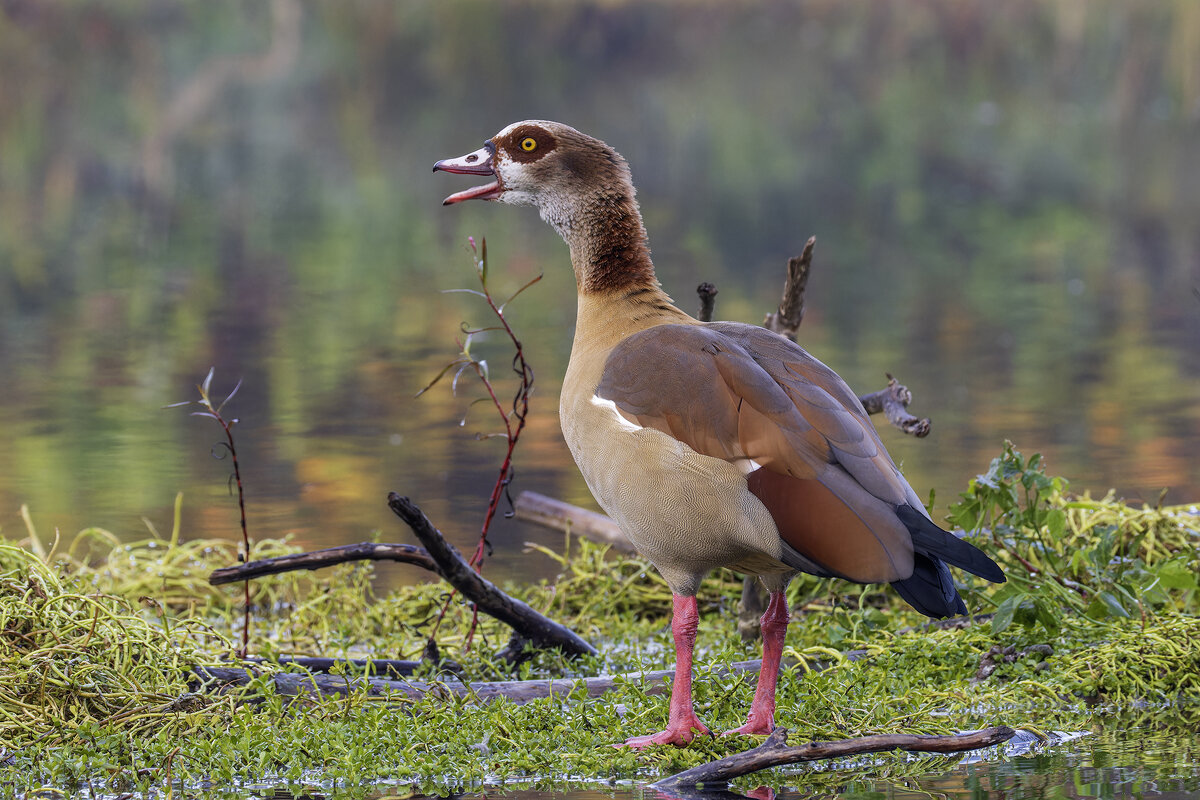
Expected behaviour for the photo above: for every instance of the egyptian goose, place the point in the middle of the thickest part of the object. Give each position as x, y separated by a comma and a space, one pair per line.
710, 444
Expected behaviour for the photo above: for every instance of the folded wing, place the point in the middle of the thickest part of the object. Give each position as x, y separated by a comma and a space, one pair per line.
809, 452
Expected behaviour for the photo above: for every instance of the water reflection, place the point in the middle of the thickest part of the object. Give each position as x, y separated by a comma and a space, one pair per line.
1005, 221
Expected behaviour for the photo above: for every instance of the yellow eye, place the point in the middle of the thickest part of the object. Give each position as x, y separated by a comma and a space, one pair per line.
529, 144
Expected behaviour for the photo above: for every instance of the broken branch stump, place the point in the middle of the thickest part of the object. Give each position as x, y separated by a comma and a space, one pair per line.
787, 318
892, 402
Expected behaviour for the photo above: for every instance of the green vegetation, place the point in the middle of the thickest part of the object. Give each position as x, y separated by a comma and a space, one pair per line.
96, 638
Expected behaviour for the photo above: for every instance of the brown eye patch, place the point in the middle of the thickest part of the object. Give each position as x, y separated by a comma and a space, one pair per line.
528, 143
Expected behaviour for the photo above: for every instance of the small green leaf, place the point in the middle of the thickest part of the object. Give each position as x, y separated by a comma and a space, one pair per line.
1056, 522
1004, 613
439, 376
1176, 575
1105, 605
1050, 617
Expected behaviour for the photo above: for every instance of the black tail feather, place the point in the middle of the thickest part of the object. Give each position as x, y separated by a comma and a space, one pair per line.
931, 590
930, 540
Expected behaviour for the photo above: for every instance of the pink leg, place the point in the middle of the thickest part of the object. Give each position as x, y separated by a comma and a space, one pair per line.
682, 719
762, 710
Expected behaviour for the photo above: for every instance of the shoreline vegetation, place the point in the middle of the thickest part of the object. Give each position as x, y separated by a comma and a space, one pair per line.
100, 639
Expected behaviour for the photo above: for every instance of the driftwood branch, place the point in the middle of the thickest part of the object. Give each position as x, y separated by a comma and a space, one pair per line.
318, 559
893, 402
226, 679
539, 630
557, 515
438, 556
707, 293
787, 318
775, 752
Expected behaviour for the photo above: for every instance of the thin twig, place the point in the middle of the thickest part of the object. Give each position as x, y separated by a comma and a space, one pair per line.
787, 318
328, 557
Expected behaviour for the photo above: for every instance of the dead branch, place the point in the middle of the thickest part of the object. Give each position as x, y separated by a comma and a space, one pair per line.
539, 630
222, 680
776, 752
318, 559
893, 403
786, 320
707, 293
557, 515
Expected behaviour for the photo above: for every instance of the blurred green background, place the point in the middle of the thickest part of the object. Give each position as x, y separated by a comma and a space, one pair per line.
1005, 197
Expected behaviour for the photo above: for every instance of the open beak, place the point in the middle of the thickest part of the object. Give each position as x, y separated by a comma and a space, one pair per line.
477, 163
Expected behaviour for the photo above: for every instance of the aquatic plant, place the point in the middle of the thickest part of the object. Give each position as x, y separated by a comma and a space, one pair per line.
132, 721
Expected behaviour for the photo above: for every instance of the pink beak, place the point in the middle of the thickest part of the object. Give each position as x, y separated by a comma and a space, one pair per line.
477, 163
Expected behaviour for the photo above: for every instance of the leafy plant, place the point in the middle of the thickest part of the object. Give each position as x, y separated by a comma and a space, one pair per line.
1061, 555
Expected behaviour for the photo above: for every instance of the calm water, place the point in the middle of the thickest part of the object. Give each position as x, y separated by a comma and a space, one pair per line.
1004, 197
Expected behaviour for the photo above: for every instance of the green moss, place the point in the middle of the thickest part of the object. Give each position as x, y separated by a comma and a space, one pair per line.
96, 639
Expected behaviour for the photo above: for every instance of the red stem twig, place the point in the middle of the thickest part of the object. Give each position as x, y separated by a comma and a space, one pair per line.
214, 412
512, 430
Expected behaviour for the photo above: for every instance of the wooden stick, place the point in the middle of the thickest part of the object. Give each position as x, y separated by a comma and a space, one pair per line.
318, 559
893, 403
786, 320
225, 679
557, 515
707, 292
539, 630
776, 752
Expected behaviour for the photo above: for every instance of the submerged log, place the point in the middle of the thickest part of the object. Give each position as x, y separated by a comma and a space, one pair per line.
223, 680
387, 667
775, 752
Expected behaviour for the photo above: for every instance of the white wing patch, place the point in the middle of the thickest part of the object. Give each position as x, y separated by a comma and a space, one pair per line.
624, 422
747, 465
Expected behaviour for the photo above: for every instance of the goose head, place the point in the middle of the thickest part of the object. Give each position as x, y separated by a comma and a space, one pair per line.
553, 167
